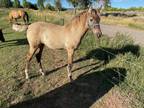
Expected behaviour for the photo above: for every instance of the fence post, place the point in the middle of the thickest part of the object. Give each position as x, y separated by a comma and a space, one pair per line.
62, 21
45, 18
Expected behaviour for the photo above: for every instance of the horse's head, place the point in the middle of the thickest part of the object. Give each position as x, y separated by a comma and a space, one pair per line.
93, 21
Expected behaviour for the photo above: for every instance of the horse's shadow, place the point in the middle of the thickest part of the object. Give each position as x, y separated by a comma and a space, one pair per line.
82, 93
107, 54
19, 41
14, 42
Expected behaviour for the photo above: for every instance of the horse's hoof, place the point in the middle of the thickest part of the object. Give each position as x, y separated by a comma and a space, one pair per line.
43, 74
41, 71
27, 77
70, 79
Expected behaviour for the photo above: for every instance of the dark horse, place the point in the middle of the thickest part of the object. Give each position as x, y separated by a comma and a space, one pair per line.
17, 14
1, 36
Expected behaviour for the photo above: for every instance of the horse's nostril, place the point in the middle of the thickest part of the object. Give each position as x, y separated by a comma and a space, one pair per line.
95, 26
99, 34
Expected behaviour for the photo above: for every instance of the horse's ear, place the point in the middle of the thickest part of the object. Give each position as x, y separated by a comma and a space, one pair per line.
90, 9
99, 9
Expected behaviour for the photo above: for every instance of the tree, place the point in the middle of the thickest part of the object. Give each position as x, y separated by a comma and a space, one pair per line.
26, 4
5, 3
8, 3
58, 5
16, 4
85, 3
105, 3
74, 3
40, 4
33, 6
49, 7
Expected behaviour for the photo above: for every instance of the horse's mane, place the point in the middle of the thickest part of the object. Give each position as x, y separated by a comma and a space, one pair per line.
77, 18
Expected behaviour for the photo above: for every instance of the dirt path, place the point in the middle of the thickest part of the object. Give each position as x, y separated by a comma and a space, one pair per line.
111, 30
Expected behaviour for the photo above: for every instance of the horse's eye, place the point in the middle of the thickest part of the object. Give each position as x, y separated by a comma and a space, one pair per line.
91, 20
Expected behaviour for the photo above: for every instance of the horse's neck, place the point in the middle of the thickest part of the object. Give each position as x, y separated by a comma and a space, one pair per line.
78, 27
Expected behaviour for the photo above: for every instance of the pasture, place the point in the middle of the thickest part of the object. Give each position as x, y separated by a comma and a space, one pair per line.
135, 22
108, 73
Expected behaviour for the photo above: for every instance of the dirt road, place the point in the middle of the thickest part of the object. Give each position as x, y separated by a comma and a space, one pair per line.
111, 30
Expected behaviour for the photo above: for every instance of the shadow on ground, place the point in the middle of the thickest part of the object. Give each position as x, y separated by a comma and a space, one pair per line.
15, 42
82, 93
104, 55
107, 54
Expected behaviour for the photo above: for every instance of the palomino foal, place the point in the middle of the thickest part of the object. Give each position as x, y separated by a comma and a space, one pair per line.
56, 37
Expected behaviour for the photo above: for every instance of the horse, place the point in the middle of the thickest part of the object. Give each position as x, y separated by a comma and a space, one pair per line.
68, 37
1, 36
17, 14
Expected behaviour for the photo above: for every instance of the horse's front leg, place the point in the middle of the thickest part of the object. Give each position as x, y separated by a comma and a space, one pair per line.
28, 59
70, 53
16, 20
10, 20
24, 20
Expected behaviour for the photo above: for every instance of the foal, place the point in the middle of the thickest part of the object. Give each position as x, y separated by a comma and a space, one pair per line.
17, 14
55, 36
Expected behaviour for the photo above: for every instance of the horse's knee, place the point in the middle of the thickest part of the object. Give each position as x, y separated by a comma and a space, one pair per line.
29, 57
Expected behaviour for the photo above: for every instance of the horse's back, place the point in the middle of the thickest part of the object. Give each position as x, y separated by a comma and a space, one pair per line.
35, 28
42, 27
16, 13
46, 33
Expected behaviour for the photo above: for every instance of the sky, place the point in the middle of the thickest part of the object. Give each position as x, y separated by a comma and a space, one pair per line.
127, 3
114, 3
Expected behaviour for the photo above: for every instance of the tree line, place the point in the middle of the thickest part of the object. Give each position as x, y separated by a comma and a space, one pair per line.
47, 4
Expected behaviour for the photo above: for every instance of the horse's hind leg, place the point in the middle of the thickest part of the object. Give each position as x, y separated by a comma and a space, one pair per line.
10, 20
29, 57
16, 20
70, 53
24, 20
38, 57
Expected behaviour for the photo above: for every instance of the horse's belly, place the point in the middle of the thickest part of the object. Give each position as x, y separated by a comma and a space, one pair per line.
54, 46
52, 43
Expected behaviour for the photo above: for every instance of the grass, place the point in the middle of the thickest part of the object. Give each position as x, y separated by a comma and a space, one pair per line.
107, 73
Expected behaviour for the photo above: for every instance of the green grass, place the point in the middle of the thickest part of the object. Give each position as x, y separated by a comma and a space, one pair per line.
101, 66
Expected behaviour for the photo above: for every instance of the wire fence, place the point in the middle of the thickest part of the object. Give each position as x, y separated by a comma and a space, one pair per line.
119, 73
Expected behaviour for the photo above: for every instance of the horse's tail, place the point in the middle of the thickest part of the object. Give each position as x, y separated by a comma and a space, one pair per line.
27, 17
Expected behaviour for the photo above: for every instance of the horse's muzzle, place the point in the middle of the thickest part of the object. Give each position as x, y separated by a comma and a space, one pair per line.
97, 31
99, 34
